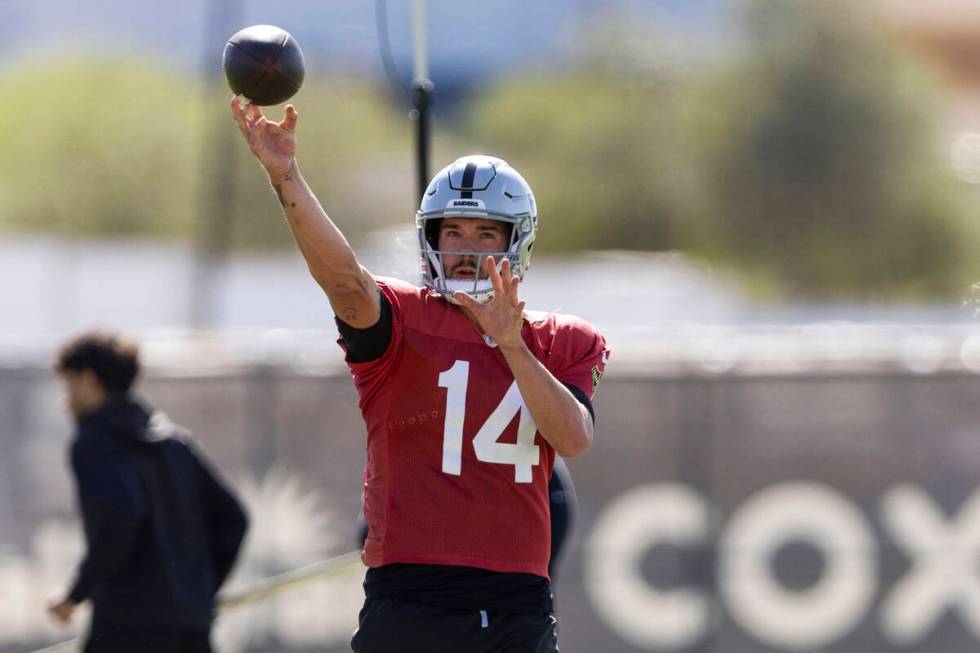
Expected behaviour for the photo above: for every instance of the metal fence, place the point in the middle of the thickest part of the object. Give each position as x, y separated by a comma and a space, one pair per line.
776, 498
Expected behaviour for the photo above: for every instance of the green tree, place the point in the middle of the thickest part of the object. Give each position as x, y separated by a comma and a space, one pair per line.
806, 156
608, 166
822, 162
96, 146
101, 146
354, 151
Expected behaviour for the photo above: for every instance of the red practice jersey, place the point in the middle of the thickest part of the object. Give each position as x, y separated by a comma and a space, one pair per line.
456, 471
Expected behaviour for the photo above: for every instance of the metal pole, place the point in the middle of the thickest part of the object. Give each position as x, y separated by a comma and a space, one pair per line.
422, 88
213, 226
262, 589
420, 68
421, 97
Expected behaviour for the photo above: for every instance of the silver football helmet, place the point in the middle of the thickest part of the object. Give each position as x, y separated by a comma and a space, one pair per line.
476, 186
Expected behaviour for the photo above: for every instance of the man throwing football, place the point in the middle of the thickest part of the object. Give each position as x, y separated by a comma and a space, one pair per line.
467, 398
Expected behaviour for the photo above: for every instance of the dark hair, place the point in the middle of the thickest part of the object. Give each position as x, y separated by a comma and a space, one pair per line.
113, 359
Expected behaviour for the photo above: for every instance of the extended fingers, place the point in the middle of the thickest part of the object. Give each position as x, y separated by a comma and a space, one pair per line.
252, 116
254, 112
252, 123
238, 113
512, 290
289, 122
508, 283
247, 117
505, 271
491, 268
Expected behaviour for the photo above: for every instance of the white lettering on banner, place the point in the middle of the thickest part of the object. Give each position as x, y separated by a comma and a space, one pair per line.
944, 570
943, 575
821, 613
645, 616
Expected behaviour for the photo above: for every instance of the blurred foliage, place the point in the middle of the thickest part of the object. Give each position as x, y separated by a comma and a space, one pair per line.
355, 152
609, 167
808, 160
104, 147
822, 160
806, 157
96, 146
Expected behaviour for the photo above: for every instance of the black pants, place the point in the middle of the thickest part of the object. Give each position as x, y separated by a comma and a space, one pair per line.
394, 626
105, 637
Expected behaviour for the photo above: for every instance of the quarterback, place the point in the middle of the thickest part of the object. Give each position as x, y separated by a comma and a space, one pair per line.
467, 398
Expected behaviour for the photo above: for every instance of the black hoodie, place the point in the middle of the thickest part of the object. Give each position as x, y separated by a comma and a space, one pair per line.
162, 530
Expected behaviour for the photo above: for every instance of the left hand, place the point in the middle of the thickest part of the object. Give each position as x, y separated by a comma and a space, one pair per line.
62, 611
503, 316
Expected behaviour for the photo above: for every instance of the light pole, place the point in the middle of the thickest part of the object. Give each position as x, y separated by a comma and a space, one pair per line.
215, 213
422, 88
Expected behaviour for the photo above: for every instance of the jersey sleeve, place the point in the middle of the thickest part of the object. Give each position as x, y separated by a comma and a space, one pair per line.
579, 355
368, 344
369, 375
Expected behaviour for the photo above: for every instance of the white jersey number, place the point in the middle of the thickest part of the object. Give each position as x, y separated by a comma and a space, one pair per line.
522, 455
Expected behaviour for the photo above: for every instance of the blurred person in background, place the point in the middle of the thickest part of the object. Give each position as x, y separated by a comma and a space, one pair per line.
467, 399
162, 529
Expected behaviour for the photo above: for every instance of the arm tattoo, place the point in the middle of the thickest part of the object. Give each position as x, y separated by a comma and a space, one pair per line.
287, 177
282, 200
349, 315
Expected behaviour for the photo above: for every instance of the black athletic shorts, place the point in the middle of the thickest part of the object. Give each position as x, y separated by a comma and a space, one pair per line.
389, 625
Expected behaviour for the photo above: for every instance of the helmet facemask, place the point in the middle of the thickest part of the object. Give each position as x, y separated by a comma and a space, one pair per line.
480, 286
476, 187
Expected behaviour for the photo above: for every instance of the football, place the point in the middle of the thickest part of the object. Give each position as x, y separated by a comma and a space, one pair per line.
263, 64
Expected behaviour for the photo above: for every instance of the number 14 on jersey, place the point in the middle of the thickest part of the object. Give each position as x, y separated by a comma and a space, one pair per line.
522, 455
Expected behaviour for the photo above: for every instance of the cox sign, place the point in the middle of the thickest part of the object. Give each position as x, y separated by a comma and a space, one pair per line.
942, 549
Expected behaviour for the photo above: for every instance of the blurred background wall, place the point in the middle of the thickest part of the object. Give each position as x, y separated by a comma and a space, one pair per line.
768, 206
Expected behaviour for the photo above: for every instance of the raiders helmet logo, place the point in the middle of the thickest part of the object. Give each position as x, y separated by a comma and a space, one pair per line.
463, 204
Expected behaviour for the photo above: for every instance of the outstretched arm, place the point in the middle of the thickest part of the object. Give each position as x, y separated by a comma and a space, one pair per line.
352, 292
